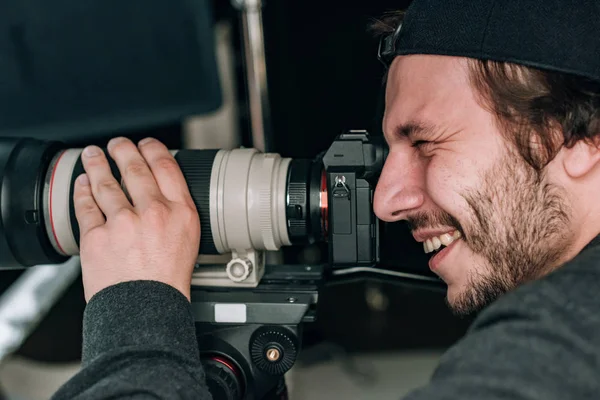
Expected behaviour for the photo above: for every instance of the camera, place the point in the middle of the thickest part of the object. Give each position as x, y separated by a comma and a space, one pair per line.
249, 203
249, 313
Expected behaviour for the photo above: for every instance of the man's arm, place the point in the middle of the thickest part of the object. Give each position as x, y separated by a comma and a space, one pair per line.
138, 252
139, 342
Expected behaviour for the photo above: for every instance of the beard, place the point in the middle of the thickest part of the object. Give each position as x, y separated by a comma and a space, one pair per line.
516, 221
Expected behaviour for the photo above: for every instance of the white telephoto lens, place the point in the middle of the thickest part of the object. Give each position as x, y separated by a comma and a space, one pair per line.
248, 200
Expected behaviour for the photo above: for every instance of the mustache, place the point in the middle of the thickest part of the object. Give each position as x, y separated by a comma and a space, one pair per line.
432, 219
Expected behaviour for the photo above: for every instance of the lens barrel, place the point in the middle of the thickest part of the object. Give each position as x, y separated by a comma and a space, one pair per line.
24, 239
245, 199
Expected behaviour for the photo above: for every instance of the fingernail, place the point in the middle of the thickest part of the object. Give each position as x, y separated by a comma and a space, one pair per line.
83, 180
91, 151
145, 141
114, 142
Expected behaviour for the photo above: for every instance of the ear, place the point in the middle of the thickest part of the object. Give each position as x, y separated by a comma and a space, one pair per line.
582, 158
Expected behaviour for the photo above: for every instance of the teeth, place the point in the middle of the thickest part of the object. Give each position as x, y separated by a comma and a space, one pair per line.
436, 242
446, 239
428, 246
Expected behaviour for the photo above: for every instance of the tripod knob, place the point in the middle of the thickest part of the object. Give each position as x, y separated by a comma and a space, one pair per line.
239, 269
222, 379
273, 350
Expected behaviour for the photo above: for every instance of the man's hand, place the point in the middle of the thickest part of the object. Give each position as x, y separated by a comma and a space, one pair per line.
156, 236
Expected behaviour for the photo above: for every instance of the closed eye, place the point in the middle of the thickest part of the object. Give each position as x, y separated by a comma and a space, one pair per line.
419, 143
424, 147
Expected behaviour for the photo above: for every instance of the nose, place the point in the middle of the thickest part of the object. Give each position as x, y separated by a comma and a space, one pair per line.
399, 190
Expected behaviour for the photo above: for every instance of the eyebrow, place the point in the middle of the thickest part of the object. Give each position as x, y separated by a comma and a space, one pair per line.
415, 128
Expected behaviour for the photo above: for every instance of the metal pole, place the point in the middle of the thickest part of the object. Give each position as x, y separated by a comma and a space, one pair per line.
256, 73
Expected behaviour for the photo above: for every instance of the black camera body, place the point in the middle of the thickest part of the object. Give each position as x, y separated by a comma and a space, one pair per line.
352, 165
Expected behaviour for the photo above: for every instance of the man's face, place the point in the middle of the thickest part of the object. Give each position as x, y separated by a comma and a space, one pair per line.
451, 174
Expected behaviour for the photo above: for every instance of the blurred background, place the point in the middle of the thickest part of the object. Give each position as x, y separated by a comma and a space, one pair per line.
83, 72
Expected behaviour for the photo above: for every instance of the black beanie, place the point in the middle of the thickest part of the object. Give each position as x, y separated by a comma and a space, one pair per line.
555, 35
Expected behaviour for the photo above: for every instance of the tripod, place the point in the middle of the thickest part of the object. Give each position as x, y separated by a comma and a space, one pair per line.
249, 338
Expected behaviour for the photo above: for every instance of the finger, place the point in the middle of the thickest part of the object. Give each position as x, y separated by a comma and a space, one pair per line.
87, 212
136, 174
106, 190
166, 171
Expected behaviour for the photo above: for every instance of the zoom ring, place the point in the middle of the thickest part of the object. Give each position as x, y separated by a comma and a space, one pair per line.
197, 169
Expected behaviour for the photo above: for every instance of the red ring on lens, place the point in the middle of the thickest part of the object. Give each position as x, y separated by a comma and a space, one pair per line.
324, 206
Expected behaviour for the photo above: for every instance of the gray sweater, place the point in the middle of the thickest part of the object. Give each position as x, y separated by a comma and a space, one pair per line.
541, 341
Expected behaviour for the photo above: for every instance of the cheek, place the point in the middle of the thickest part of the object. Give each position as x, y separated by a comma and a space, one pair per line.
448, 180
443, 180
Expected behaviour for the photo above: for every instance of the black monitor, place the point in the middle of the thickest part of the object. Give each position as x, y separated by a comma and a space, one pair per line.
92, 67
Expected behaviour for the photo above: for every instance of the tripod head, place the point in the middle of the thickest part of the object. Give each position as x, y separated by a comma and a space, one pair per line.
249, 338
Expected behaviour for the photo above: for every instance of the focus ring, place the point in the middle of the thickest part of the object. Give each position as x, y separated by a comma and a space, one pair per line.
265, 204
196, 166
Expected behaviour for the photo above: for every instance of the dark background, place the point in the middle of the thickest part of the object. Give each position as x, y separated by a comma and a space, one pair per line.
324, 77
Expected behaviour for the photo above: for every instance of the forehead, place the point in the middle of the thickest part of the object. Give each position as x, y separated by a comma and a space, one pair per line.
427, 87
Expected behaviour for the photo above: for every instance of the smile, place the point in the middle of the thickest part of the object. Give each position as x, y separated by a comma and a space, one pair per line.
434, 243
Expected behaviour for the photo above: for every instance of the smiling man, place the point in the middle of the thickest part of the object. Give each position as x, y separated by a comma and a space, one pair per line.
459, 180
494, 165
493, 124
493, 121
